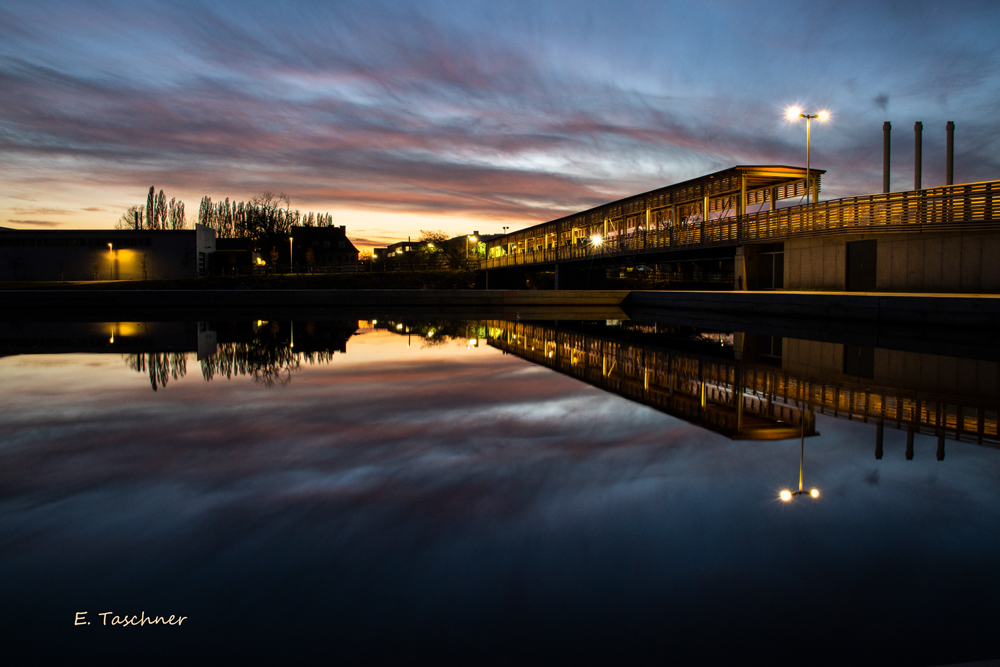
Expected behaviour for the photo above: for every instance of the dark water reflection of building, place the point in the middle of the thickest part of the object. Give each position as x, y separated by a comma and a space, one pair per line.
750, 386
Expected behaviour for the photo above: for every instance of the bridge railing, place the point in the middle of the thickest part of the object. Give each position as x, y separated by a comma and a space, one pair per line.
964, 207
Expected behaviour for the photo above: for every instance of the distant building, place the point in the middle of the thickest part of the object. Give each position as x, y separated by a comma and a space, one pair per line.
105, 254
233, 257
456, 252
320, 249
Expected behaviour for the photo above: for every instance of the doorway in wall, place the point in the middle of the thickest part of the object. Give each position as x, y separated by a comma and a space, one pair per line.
771, 267
861, 263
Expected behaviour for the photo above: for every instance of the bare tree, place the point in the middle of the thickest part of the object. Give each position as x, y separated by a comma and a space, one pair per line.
132, 218
150, 207
160, 219
142, 262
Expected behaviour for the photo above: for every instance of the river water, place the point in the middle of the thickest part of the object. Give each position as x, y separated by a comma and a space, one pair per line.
496, 489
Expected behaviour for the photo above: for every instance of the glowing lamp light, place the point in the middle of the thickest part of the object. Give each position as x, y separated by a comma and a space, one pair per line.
823, 116
596, 239
785, 495
472, 238
792, 113
814, 493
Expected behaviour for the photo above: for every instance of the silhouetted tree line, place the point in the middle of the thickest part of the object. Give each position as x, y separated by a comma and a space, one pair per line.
267, 362
266, 218
161, 366
158, 213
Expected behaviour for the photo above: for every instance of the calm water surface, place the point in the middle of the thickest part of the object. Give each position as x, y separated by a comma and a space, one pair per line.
409, 491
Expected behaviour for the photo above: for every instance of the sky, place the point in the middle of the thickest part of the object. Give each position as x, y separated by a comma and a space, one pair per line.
397, 117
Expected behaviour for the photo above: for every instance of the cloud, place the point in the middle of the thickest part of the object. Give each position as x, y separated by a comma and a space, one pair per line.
403, 108
37, 223
42, 210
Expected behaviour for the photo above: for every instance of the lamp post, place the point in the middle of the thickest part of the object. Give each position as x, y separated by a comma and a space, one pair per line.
111, 261
468, 245
793, 114
785, 494
291, 257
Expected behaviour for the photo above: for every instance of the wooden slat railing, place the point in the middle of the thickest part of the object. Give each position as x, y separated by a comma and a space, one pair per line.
966, 207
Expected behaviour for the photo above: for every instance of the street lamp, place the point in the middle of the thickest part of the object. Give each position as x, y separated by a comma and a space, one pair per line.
291, 256
793, 114
471, 239
785, 494
111, 260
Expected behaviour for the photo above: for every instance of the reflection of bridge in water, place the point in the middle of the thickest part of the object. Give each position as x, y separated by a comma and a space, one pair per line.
743, 393
704, 390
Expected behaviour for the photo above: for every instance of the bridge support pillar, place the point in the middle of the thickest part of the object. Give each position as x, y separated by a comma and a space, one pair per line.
556, 282
740, 271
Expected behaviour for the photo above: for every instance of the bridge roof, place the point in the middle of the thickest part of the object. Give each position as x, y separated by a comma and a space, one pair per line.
757, 179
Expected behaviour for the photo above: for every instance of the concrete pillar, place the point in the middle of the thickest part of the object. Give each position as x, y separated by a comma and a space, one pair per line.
886, 131
673, 223
704, 218
949, 170
740, 271
909, 443
918, 133
940, 447
556, 285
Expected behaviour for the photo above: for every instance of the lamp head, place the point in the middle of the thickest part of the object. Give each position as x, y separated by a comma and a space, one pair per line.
596, 239
793, 113
785, 495
823, 116
814, 493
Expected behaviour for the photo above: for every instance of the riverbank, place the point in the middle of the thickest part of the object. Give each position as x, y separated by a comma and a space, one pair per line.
176, 298
944, 310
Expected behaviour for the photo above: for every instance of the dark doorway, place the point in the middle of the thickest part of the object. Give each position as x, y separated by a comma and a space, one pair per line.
771, 266
861, 266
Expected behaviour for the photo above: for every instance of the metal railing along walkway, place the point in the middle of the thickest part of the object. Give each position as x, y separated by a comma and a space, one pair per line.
966, 207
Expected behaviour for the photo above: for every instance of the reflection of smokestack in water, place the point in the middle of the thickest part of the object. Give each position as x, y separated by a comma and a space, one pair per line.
886, 130
949, 170
879, 432
918, 139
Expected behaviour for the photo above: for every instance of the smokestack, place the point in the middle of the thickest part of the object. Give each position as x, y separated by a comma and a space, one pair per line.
949, 170
918, 141
886, 129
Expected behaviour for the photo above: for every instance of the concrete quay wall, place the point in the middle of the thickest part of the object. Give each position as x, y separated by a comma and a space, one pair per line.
962, 262
108, 298
953, 310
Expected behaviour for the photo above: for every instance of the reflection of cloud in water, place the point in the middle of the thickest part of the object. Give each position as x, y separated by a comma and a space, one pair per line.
456, 495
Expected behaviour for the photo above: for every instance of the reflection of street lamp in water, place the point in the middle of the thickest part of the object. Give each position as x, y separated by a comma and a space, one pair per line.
785, 494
